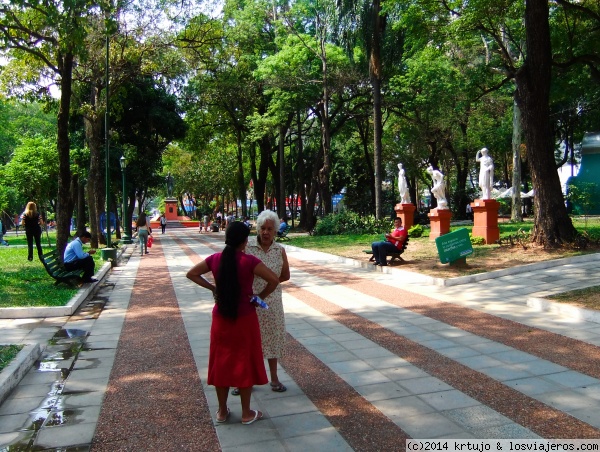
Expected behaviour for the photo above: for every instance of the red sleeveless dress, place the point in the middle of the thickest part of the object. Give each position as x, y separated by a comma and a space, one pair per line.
236, 357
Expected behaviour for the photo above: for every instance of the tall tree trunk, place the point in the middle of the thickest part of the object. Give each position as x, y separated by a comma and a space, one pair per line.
362, 126
552, 224
96, 192
311, 199
240, 173
325, 171
300, 171
516, 212
64, 204
80, 208
281, 160
375, 71
260, 182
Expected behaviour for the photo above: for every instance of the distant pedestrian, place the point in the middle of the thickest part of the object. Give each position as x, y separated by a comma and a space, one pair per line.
144, 231
206, 222
2, 232
163, 223
229, 219
33, 230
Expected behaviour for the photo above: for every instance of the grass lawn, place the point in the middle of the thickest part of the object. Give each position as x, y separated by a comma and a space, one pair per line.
347, 245
588, 298
24, 283
20, 239
7, 354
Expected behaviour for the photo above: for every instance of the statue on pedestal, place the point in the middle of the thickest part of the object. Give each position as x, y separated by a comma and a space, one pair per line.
403, 186
438, 190
169, 179
486, 173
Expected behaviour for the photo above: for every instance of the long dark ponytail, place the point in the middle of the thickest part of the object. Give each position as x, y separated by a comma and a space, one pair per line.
228, 287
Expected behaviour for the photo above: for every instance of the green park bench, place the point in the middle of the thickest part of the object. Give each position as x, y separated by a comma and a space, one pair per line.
394, 256
281, 237
57, 271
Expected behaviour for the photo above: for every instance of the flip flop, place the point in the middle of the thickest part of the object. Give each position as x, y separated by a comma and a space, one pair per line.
278, 387
257, 416
222, 421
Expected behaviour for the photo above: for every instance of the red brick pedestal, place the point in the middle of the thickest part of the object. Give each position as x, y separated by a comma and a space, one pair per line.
171, 209
407, 213
485, 219
439, 222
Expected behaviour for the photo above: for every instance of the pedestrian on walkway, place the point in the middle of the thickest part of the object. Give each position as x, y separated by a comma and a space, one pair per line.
33, 230
144, 231
2, 232
235, 357
163, 223
272, 320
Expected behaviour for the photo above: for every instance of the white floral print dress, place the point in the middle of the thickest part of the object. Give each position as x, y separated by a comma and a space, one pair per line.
272, 320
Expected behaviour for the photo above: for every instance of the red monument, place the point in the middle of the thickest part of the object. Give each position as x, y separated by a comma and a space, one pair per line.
485, 219
171, 209
407, 213
439, 222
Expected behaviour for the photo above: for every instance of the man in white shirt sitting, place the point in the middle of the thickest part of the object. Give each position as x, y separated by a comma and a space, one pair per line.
76, 259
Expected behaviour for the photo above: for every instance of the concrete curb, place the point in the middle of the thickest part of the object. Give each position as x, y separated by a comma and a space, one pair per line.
60, 311
543, 305
12, 374
520, 269
401, 274
407, 275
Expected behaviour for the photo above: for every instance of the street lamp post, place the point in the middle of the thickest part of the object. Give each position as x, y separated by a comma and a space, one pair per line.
126, 223
108, 253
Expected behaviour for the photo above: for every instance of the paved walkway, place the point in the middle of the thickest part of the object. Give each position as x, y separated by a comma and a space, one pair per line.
373, 358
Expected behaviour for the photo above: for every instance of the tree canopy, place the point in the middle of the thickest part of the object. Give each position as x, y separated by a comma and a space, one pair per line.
292, 102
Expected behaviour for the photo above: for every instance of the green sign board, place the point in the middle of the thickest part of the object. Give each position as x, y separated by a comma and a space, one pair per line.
454, 245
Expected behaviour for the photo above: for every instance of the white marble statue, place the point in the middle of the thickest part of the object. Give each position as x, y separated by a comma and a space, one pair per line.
486, 173
403, 186
438, 190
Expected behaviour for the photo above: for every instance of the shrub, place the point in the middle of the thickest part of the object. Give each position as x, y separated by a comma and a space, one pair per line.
476, 240
505, 206
347, 222
416, 231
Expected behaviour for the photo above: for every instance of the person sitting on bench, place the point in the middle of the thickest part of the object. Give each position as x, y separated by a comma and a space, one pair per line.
76, 259
282, 227
392, 244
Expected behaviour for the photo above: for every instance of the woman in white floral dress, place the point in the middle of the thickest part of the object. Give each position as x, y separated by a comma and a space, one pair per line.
272, 321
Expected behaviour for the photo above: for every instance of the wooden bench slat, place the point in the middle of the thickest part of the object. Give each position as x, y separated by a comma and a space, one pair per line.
283, 236
394, 256
57, 271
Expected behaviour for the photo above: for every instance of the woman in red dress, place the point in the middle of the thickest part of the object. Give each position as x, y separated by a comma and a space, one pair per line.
235, 357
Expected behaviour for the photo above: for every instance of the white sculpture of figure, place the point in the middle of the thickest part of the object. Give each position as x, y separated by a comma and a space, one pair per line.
403, 186
486, 173
438, 190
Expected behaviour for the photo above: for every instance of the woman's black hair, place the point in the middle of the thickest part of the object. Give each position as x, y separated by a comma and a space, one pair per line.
228, 287
141, 219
